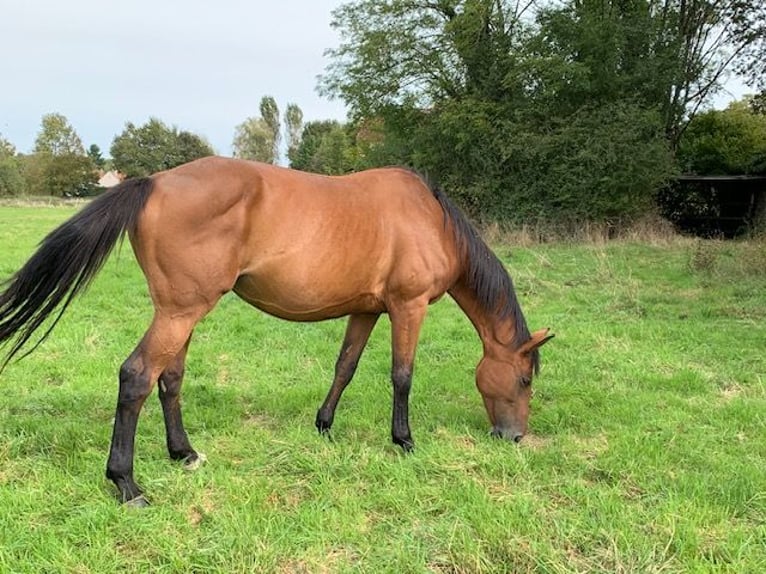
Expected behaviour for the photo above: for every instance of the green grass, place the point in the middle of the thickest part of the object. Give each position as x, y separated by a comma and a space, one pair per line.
647, 450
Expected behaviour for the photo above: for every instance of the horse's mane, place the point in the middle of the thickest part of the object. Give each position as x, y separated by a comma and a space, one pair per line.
484, 274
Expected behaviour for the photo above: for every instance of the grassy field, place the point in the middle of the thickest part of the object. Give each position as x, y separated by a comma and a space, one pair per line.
647, 450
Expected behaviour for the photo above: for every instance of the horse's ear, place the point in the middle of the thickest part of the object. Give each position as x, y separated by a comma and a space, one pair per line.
539, 338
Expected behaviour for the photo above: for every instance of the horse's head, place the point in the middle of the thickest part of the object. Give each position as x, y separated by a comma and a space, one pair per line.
505, 383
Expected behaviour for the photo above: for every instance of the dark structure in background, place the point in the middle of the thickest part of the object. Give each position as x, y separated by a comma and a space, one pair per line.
716, 205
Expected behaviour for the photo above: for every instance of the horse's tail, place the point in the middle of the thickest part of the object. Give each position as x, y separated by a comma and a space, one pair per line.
65, 263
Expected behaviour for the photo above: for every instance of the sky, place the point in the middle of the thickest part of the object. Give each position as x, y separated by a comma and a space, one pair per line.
200, 65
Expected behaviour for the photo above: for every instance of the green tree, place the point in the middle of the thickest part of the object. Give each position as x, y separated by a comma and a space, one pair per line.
325, 147
57, 137
153, 147
254, 140
407, 53
94, 152
668, 54
725, 142
479, 94
259, 138
11, 179
59, 165
757, 102
293, 128
270, 115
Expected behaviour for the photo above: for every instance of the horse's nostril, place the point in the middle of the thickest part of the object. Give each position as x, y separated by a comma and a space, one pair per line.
518, 437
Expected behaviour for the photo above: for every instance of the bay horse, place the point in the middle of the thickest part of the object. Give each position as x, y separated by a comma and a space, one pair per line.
300, 246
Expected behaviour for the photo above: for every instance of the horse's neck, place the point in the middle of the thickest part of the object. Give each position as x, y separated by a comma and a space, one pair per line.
495, 331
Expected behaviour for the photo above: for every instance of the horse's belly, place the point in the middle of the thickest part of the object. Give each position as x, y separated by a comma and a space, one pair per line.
298, 300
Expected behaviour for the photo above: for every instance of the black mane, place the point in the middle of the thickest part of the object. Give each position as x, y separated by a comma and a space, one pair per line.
485, 275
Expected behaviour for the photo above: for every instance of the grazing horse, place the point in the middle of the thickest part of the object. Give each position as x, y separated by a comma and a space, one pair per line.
299, 246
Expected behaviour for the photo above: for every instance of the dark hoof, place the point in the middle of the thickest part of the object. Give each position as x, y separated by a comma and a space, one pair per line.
323, 425
137, 502
407, 445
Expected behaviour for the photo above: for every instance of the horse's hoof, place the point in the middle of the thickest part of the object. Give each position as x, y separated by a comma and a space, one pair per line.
407, 445
323, 426
137, 502
193, 463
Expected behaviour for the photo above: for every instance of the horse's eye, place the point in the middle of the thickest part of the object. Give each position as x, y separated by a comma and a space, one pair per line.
525, 381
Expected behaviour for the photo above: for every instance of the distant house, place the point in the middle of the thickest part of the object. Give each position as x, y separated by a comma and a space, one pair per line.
110, 178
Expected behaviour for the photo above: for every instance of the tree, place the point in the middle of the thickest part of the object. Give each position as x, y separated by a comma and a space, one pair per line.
11, 180
725, 142
270, 116
293, 128
747, 21
456, 86
59, 165
153, 147
757, 102
325, 148
94, 152
671, 54
57, 137
410, 53
254, 140
259, 138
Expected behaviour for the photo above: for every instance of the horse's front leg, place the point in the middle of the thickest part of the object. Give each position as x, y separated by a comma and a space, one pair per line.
357, 334
406, 320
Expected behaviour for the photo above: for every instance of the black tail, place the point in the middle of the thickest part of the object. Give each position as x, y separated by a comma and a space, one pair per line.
66, 262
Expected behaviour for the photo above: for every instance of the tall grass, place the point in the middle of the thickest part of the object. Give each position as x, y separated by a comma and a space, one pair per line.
647, 449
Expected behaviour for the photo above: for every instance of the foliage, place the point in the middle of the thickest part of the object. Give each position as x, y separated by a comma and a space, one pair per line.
325, 147
270, 116
66, 175
153, 147
567, 109
666, 54
747, 21
254, 140
94, 152
645, 451
57, 137
757, 102
260, 138
59, 166
727, 142
601, 163
293, 128
11, 179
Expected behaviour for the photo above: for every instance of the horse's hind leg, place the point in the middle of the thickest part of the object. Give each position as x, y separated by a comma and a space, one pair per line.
162, 343
357, 333
170, 383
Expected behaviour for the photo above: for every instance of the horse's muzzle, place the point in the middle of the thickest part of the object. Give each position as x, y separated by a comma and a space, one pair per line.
507, 434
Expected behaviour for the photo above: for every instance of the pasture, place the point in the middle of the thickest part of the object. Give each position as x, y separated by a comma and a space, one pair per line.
646, 453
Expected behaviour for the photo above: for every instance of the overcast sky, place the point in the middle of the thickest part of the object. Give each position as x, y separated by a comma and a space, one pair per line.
201, 65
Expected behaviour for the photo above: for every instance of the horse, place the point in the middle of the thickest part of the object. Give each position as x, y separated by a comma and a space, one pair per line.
296, 245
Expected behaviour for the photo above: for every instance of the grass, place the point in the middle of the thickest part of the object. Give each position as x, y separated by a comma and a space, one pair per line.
647, 450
